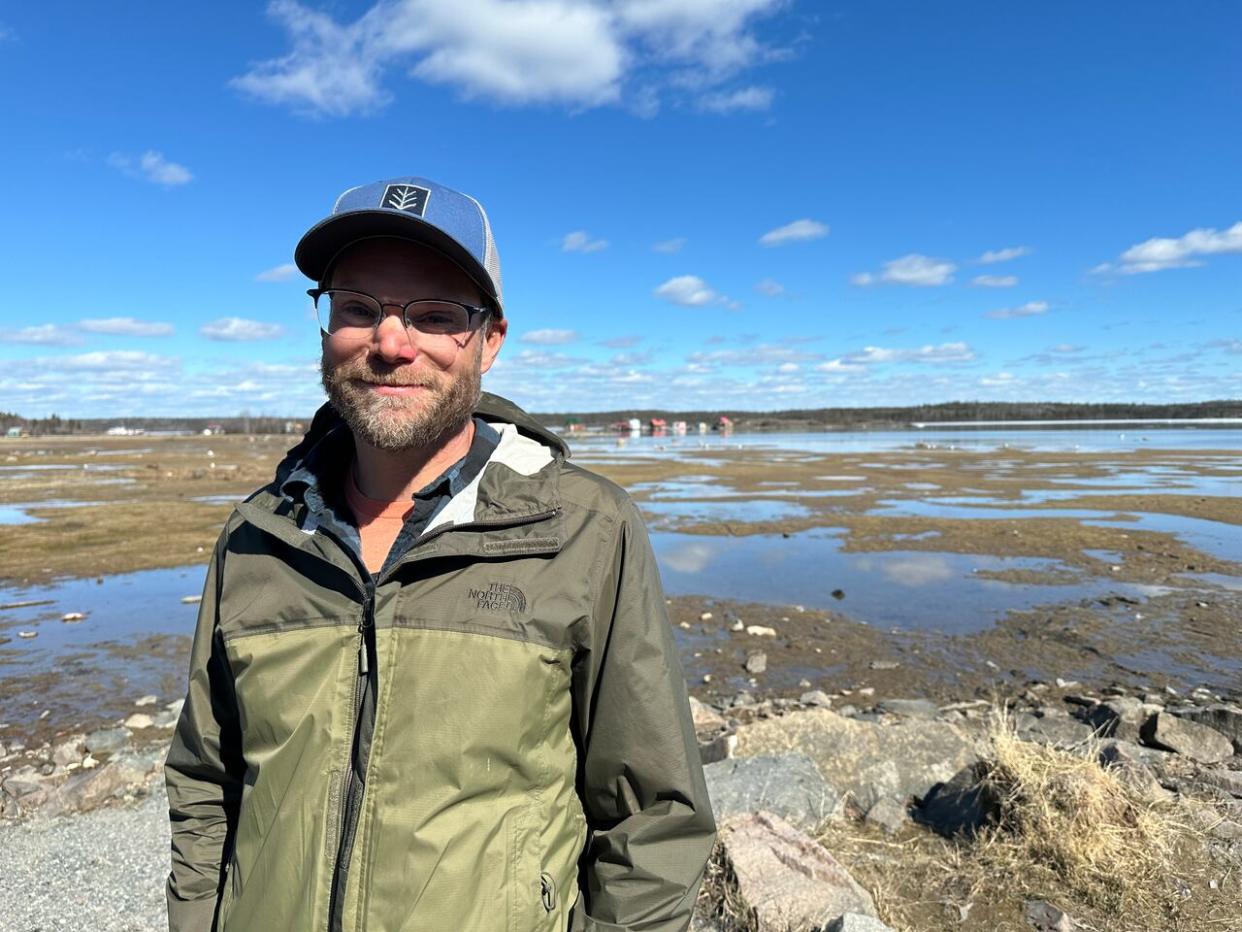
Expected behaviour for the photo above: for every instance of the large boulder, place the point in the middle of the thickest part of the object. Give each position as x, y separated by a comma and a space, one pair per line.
867, 760
1121, 717
1188, 738
1051, 728
789, 786
786, 878
962, 805
1227, 719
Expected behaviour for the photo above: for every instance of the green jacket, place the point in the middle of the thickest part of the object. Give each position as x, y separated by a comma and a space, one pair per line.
490, 736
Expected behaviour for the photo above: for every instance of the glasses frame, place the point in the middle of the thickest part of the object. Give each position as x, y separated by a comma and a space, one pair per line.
475, 315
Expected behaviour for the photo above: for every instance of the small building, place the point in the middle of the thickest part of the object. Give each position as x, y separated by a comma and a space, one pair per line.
15, 432
724, 424
658, 425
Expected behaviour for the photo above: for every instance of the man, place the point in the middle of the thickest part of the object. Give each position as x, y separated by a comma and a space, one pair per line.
433, 685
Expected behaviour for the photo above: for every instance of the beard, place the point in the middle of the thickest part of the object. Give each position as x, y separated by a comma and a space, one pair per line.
395, 423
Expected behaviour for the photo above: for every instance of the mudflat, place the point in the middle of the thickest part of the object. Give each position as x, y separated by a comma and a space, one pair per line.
923, 570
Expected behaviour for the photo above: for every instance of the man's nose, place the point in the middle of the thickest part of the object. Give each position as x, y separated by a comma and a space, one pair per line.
393, 339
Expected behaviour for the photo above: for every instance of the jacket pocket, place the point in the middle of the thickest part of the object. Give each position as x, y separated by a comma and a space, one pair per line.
533, 894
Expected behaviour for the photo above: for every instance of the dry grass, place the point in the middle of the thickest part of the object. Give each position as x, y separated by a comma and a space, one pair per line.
1063, 814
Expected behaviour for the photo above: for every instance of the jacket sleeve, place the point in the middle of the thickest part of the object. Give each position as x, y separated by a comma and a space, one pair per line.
203, 773
649, 817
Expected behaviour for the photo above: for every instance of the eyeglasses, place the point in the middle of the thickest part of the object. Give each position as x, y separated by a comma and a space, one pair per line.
358, 313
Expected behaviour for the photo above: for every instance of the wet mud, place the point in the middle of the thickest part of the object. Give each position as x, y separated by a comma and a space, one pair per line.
947, 573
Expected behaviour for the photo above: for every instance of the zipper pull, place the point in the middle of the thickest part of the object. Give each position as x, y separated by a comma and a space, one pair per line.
547, 891
363, 667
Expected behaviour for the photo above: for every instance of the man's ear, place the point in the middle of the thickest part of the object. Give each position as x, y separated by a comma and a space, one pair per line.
493, 338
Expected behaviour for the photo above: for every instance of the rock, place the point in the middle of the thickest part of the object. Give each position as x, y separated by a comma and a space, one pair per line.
90, 788
856, 922
16, 745
1151, 757
191, 599
4, 752
1120, 717
139, 720
884, 665
789, 786
1066, 684
738, 625
1131, 771
909, 708
166, 718
706, 719
816, 697
718, 748
760, 631
1056, 730
962, 805
1227, 830
1188, 738
788, 880
108, 739
705, 616
888, 814
1227, 719
1044, 917
71, 750
72, 616
23, 781
867, 760
27, 634
757, 662
1228, 780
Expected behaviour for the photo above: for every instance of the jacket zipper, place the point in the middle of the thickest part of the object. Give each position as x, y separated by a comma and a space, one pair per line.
353, 789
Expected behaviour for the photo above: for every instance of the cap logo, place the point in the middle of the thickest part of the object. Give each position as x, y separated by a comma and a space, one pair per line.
407, 197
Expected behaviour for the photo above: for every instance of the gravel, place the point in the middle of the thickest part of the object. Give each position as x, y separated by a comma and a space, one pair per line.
100, 870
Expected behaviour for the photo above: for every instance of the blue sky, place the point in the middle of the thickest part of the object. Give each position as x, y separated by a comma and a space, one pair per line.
736, 204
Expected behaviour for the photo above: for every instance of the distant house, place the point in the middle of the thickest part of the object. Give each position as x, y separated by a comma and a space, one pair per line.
724, 424
658, 425
15, 432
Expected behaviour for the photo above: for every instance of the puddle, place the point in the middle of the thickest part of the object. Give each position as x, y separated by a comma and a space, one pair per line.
15, 514
956, 509
666, 513
217, 499
130, 644
1223, 541
900, 589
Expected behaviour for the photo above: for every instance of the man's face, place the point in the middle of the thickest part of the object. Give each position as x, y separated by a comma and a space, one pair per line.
398, 389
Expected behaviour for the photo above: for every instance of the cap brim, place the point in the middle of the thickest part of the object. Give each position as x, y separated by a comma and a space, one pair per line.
324, 241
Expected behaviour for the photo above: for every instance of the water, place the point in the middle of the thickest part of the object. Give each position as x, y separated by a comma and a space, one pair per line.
1086, 439
896, 589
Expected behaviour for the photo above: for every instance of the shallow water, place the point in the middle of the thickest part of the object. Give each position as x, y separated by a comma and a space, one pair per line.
898, 589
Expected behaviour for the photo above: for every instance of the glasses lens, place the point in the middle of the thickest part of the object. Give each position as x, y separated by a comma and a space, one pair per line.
346, 310
438, 317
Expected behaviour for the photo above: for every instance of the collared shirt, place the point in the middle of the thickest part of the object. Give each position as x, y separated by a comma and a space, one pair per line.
318, 482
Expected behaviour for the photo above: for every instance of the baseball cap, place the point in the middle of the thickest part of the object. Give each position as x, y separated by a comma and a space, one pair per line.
409, 208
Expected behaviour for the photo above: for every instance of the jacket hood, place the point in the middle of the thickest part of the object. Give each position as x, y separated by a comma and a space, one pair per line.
492, 408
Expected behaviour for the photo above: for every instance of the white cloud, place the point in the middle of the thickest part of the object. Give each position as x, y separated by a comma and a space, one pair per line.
793, 232
1160, 253
580, 241
746, 98
125, 361
1030, 309
1004, 255
994, 281
550, 337
770, 288
126, 326
6, 33
236, 329
872, 355
153, 167
914, 269
41, 335
689, 291
670, 245
278, 273
580, 53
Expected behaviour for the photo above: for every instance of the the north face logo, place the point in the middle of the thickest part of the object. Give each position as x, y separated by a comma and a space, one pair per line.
499, 597
407, 197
